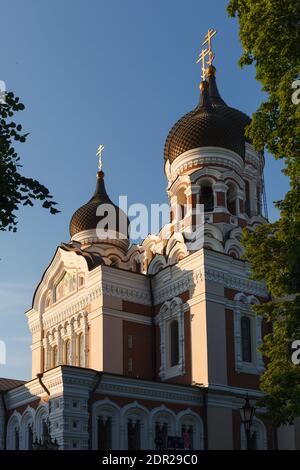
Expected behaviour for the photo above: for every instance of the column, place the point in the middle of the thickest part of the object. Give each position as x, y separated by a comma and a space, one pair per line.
86, 339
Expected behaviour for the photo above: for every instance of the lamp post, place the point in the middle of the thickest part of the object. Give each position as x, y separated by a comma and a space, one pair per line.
247, 413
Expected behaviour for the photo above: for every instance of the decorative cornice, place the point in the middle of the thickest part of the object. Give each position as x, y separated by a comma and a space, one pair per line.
190, 277
139, 389
192, 159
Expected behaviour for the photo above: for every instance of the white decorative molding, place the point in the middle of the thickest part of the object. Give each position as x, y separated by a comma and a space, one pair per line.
192, 159
169, 312
243, 308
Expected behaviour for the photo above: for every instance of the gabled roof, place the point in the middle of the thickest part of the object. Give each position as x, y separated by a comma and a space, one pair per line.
8, 384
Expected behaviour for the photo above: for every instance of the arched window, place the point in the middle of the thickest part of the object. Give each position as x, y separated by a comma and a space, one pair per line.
81, 350
187, 433
247, 204
17, 439
134, 434
29, 437
67, 352
231, 199
174, 343
258, 437
181, 202
258, 196
161, 436
54, 359
104, 433
207, 198
246, 339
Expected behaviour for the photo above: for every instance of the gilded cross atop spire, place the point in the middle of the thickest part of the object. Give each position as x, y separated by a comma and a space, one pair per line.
99, 155
206, 52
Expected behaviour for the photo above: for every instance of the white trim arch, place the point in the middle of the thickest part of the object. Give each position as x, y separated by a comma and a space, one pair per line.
170, 311
157, 264
61, 261
108, 409
13, 425
214, 232
28, 419
162, 414
41, 416
234, 245
177, 237
135, 411
178, 252
190, 418
261, 435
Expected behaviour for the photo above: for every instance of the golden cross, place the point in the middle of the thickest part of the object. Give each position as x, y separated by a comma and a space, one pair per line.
207, 40
99, 155
201, 58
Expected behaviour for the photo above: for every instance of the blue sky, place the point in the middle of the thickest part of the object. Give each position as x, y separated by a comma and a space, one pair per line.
102, 71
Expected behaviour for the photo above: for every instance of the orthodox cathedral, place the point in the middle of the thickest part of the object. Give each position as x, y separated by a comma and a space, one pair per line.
154, 345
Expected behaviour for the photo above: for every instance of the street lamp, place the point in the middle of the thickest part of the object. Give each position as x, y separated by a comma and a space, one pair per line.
247, 413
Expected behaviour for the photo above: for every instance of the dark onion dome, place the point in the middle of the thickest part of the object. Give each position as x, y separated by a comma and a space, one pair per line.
211, 124
240, 119
85, 218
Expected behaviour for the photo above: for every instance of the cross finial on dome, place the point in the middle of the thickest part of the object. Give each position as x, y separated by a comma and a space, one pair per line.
99, 155
206, 52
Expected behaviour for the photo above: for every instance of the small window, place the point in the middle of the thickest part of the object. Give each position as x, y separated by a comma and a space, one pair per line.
68, 352
81, 350
17, 439
29, 437
231, 199
258, 195
134, 435
174, 344
54, 356
81, 281
161, 436
246, 339
247, 205
104, 433
187, 436
130, 364
207, 198
129, 341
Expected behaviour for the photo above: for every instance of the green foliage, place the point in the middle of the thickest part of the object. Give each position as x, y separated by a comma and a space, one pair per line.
270, 36
16, 189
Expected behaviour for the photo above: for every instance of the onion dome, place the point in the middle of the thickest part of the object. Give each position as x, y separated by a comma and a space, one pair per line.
100, 208
211, 124
240, 119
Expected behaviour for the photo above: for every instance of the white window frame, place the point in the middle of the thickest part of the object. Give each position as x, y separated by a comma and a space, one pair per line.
171, 310
242, 308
